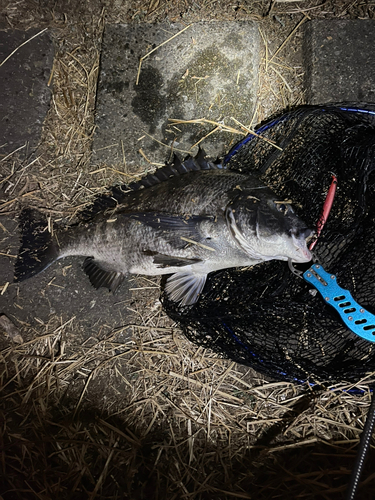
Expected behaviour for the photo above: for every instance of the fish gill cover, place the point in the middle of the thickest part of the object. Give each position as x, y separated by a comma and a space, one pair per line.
265, 316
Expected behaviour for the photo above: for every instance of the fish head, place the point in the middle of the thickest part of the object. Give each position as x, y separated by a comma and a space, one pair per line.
266, 228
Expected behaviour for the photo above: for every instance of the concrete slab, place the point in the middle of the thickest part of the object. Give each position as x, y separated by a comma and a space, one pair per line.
24, 94
208, 71
339, 60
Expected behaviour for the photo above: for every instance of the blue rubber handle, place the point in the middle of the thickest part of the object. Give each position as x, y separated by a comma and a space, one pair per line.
355, 317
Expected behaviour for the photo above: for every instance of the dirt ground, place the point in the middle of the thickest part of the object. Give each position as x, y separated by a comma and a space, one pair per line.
105, 397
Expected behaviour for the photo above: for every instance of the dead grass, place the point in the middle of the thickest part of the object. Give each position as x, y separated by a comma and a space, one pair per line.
155, 411
169, 416
140, 412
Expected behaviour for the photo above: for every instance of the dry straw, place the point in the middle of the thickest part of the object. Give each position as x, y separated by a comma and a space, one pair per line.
137, 411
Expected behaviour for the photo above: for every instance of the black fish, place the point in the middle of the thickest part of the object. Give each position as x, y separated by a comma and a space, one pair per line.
187, 219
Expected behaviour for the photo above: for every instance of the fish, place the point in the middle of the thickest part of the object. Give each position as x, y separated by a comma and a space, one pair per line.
187, 219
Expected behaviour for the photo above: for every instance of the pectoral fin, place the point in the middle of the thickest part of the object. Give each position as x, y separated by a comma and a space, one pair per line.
185, 287
164, 261
100, 277
175, 229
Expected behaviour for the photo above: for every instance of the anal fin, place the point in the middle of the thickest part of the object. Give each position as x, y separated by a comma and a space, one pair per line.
100, 277
185, 287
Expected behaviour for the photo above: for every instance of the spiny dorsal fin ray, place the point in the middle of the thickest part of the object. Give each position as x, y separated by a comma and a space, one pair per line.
176, 167
117, 194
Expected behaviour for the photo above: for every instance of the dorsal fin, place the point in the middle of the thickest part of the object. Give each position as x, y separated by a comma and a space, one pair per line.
176, 167
118, 194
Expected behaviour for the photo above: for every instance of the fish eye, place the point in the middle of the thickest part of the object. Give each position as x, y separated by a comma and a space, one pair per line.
281, 207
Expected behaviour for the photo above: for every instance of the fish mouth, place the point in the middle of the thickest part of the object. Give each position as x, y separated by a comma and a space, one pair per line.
302, 254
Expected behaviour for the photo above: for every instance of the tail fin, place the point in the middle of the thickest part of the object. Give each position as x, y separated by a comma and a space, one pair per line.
37, 251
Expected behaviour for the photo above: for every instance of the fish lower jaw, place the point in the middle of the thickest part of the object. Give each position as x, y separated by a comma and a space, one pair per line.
304, 256
298, 256
301, 252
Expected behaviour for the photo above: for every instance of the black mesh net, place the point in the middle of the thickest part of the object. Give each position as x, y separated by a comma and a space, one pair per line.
266, 317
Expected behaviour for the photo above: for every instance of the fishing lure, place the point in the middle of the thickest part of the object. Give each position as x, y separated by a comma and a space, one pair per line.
326, 210
356, 318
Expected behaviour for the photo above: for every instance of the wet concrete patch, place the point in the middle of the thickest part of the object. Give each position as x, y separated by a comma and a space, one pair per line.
208, 71
24, 93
